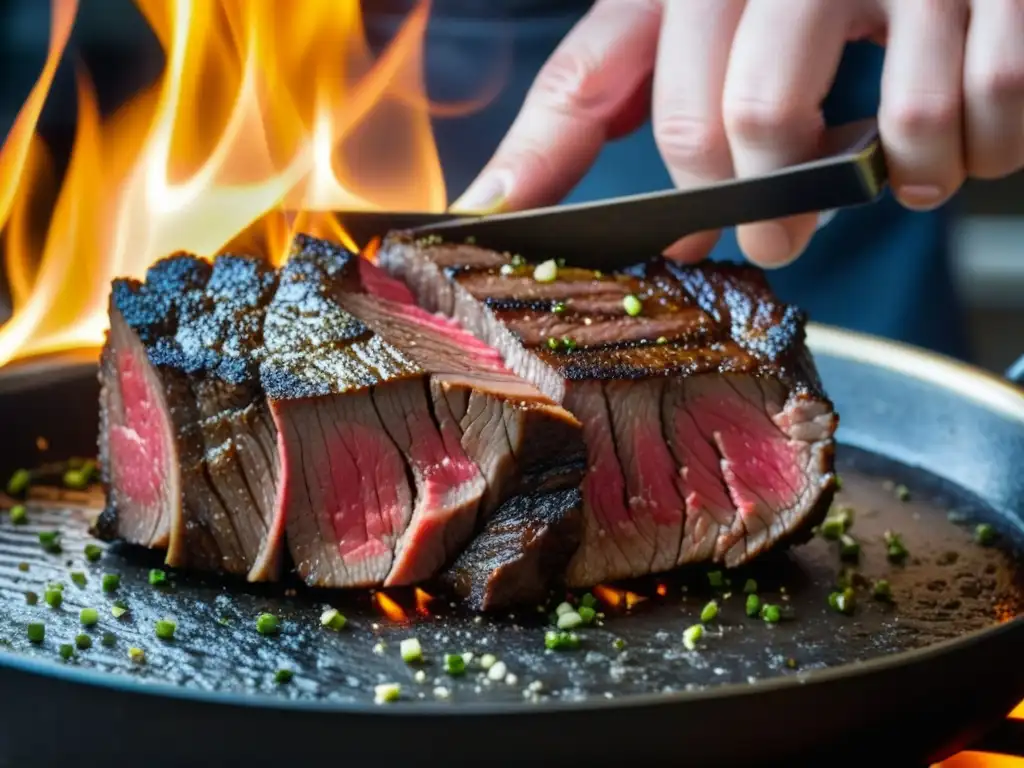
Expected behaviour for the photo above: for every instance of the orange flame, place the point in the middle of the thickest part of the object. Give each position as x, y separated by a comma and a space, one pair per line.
423, 600
389, 607
262, 109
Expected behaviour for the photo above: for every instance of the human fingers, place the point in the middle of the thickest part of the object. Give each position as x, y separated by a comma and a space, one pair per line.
783, 61
920, 118
686, 106
578, 95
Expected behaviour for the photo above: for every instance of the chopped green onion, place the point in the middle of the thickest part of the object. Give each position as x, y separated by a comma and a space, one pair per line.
31, 598
55, 585
18, 514
411, 650
36, 632
108, 640
332, 619
570, 620
561, 641
902, 493
89, 617
881, 590
843, 602
709, 612
832, 528
76, 479
165, 628
283, 676
661, 340
454, 664
110, 581
118, 609
791, 663
67, 650
78, 578
587, 614
53, 597
137, 655
558, 308
19, 482
750, 587
588, 601
93, 552
546, 272
849, 549
771, 613
563, 608
50, 541
715, 578
568, 343
839, 483
267, 624
984, 534
632, 305
487, 660
517, 258
753, 605
895, 550
618, 644
692, 636
83, 641
553, 343
157, 577
387, 693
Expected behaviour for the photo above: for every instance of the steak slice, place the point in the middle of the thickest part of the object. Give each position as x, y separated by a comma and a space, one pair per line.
397, 430
708, 435
187, 450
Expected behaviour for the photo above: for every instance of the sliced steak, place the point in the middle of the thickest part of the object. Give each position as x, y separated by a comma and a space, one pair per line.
396, 429
187, 449
708, 435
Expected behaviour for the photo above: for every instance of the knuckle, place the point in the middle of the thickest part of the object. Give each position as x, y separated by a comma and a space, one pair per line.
922, 114
689, 141
758, 121
571, 82
1002, 85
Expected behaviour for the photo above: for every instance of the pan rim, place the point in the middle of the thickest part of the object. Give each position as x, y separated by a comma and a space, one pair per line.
962, 379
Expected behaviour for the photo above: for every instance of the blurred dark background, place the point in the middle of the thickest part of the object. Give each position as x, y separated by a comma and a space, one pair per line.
116, 46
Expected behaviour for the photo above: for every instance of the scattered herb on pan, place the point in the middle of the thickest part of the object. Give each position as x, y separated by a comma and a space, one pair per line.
894, 547
23, 566
587, 614
19, 482
692, 636
78, 578
561, 641
387, 693
632, 305
569, 620
619, 644
110, 581
792, 663
83, 641
839, 483
661, 340
137, 655
553, 343
568, 343
849, 548
283, 676
750, 587
76, 479
902, 492
498, 671
985, 534
93, 552
487, 660
881, 590
518, 260
157, 577
715, 579
31, 598
333, 619
411, 650
165, 628
36, 632
546, 271
771, 613
19, 515
558, 308
267, 624
454, 664
118, 609
50, 541
89, 617
842, 602
109, 640
67, 650
588, 601
838, 522
506, 270
753, 606
53, 597
709, 612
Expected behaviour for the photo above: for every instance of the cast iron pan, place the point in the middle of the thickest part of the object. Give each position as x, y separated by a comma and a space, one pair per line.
908, 682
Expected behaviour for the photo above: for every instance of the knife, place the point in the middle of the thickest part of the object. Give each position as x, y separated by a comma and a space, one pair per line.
849, 170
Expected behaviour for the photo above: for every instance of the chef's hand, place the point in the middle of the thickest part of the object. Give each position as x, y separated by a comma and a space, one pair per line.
737, 89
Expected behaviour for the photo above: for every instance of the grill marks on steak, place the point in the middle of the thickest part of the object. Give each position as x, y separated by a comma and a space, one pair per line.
188, 457
708, 435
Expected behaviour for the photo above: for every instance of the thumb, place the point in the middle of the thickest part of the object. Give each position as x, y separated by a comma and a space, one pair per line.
577, 99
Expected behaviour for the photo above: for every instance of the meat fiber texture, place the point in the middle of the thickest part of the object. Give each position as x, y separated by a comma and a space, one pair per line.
245, 410
709, 438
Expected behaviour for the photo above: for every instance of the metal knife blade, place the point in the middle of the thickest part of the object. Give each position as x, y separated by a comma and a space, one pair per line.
618, 232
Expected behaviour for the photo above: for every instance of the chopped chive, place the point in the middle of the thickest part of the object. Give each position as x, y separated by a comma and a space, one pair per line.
839, 483
19, 482
93, 552
881, 590
563, 608
67, 650
411, 650
618, 644
53, 597
487, 660
587, 614
568, 343
78, 578
137, 655
570, 620
771, 613
55, 585
332, 619
157, 577
561, 641
588, 601
165, 628
902, 493
843, 602
283, 676
552, 343
267, 624
50, 541
387, 693
715, 578
23, 566
517, 258
558, 308
849, 549
709, 612
109, 640
984, 534
546, 272
753, 605
791, 663
110, 581
18, 514
83, 641
118, 609
88, 469
36, 632
661, 340
75, 479
506, 270
692, 636
31, 598
895, 549
560, 262
632, 305
750, 587
454, 664
832, 528
89, 617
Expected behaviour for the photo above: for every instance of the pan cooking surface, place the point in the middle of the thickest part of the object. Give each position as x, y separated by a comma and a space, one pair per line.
948, 585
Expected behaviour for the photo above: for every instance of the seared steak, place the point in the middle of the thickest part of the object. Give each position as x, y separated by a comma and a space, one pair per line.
186, 448
708, 435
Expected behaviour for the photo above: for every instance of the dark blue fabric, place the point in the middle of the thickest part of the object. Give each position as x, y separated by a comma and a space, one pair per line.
879, 269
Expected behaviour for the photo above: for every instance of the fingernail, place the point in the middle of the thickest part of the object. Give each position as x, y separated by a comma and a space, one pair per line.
920, 196
770, 244
484, 195
825, 217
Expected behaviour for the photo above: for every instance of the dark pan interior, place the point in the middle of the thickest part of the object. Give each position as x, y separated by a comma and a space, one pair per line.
964, 452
